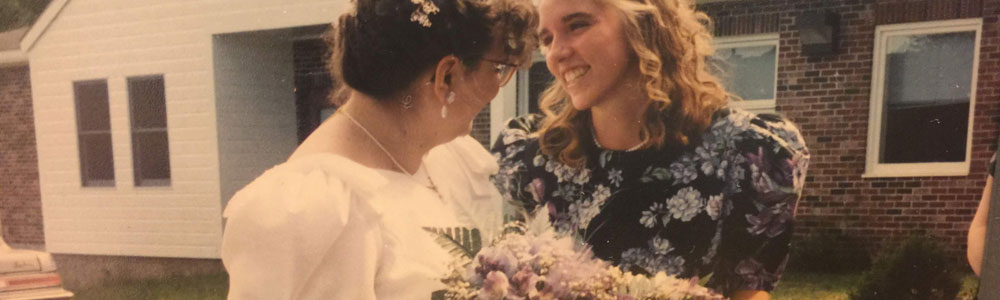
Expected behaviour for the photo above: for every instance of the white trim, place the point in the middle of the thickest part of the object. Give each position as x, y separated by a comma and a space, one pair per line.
43, 22
503, 108
769, 39
523, 84
13, 58
512, 100
873, 168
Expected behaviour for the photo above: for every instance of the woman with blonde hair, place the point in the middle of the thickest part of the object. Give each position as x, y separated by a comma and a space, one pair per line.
354, 212
639, 154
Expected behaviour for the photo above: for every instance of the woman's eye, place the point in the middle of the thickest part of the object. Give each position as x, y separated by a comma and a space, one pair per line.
546, 41
578, 25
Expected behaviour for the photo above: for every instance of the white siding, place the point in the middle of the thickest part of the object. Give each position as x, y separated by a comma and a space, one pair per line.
116, 39
255, 92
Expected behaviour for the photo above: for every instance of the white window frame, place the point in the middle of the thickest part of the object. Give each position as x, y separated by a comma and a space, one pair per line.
741, 41
873, 168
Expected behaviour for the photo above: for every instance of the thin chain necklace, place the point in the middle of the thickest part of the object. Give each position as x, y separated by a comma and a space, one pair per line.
593, 133
386, 151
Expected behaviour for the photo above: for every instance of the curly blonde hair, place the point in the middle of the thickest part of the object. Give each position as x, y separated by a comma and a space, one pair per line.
671, 42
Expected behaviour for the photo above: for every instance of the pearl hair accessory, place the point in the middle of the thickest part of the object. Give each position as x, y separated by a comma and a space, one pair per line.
421, 15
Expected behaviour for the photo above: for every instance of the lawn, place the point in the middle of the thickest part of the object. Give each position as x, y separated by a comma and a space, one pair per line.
793, 286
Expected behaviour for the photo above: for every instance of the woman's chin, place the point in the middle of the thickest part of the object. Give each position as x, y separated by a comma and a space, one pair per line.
581, 102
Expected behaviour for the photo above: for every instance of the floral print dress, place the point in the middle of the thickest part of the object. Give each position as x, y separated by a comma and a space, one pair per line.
722, 207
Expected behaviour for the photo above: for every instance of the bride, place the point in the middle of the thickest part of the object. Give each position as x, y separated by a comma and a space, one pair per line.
350, 215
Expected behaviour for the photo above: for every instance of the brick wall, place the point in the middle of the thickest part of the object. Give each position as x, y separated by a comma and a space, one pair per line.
20, 198
829, 99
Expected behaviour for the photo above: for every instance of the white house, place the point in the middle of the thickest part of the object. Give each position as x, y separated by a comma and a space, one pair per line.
150, 114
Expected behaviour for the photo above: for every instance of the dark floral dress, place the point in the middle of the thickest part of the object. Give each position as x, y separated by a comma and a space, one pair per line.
723, 206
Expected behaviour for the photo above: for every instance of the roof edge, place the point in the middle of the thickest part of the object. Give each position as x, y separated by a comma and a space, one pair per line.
13, 58
42, 24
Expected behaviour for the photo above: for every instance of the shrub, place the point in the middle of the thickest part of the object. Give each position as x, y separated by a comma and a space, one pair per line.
917, 269
828, 252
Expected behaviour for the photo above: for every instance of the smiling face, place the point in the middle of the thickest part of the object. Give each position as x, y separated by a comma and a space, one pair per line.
586, 50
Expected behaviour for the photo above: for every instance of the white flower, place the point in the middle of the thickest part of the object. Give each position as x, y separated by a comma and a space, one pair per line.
582, 176
539, 160
740, 119
683, 171
514, 150
675, 265
566, 173
712, 162
582, 213
685, 205
615, 176
601, 194
714, 207
649, 217
661, 246
514, 135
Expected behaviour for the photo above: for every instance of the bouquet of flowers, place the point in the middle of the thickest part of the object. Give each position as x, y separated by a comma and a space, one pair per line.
530, 260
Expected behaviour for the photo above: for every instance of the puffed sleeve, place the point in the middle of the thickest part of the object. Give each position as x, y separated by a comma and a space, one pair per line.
283, 227
514, 150
465, 168
771, 161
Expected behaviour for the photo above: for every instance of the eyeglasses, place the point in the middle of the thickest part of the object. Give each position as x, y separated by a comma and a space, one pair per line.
505, 71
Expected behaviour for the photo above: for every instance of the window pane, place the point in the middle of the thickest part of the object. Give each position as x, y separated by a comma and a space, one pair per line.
96, 159
539, 79
928, 84
748, 72
148, 104
92, 105
151, 158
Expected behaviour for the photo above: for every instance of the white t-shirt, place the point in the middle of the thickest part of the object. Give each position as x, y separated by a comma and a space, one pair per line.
324, 227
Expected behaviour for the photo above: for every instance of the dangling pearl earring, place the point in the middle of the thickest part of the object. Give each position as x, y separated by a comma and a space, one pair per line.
449, 100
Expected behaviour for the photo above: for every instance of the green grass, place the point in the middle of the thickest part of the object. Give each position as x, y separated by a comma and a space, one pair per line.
815, 286
820, 286
204, 287
794, 286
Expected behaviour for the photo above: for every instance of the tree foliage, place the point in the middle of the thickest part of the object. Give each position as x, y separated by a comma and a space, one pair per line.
17, 13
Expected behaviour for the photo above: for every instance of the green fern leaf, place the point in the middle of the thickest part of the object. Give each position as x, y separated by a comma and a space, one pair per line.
458, 241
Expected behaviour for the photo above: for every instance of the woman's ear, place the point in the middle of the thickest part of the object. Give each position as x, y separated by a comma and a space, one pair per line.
445, 72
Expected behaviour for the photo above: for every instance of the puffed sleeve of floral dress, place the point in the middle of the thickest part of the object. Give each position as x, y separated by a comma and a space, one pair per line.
512, 150
303, 230
770, 159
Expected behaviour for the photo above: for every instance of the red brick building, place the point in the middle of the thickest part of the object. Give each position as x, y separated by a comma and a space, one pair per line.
879, 171
20, 199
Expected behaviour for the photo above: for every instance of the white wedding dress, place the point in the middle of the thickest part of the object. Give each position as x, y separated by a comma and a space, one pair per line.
324, 227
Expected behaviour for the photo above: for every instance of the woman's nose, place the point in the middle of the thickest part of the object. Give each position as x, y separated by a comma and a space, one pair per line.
559, 49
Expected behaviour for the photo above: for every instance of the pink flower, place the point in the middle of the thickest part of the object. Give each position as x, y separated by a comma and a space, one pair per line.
494, 287
537, 189
525, 283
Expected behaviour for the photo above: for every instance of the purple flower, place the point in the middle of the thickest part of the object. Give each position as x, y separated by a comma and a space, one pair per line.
494, 287
754, 276
495, 259
524, 283
537, 189
770, 221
